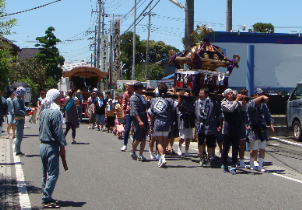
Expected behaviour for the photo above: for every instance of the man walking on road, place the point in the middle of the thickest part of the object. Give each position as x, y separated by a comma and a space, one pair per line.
19, 111
258, 117
52, 146
138, 107
208, 114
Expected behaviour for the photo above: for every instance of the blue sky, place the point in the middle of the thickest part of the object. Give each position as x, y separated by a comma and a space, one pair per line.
74, 20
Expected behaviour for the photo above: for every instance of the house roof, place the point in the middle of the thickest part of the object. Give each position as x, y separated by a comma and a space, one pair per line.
15, 47
27, 53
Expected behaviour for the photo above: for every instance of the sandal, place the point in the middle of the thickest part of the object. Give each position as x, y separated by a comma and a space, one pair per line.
73, 142
50, 205
7, 137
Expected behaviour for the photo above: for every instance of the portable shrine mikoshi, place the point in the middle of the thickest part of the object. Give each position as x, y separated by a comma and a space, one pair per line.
203, 59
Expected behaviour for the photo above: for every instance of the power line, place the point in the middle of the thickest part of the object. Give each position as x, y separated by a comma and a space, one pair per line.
140, 15
125, 17
30, 9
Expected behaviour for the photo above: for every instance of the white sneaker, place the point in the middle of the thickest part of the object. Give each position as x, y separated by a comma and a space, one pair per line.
159, 162
187, 153
162, 162
262, 170
124, 148
152, 156
256, 164
158, 156
179, 152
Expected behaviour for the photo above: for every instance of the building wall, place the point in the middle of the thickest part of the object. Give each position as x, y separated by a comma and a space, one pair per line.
278, 59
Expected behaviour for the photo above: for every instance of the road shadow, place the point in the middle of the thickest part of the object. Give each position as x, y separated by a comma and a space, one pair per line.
28, 135
180, 166
248, 172
32, 156
71, 204
81, 143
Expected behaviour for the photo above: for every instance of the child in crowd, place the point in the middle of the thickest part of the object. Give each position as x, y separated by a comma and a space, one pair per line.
110, 117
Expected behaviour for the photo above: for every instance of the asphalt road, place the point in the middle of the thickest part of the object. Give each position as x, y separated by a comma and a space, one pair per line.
100, 176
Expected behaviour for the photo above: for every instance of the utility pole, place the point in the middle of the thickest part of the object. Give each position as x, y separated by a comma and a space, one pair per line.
147, 51
111, 49
229, 16
95, 44
134, 42
189, 39
99, 35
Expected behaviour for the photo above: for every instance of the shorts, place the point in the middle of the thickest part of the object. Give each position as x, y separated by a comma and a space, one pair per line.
160, 133
110, 122
210, 140
258, 144
92, 118
100, 119
119, 121
174, 132
139, 135
10, 119
243, 131
186, 133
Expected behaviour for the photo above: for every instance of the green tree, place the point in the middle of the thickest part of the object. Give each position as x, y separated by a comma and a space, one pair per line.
33, 72
6, 57
5, 23
157, 50
263, 27
201, 32
126, 48
49, 54
155, 72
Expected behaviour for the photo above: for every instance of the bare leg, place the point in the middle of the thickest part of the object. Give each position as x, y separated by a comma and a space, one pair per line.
134, 146
8, 129
171, 141
188, 140
142, 146
181, 141
241, 149
200, 149
210, 152
14, 130
151, 144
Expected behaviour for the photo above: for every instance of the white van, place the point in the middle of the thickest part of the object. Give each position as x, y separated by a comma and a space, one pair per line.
294, 112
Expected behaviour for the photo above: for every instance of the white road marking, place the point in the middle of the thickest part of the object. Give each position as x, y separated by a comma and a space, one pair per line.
286, 177
286, 141
23, 194
268, 168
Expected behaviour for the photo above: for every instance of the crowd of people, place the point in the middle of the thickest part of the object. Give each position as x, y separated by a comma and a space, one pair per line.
232, 122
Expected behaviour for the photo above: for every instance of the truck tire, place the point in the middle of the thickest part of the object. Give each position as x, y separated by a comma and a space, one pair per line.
297, 131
